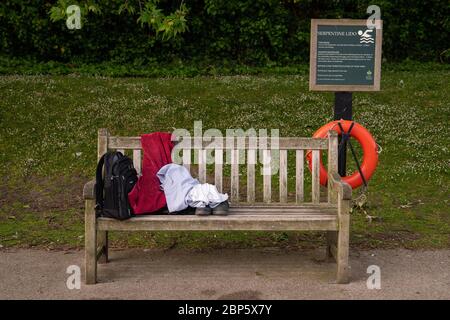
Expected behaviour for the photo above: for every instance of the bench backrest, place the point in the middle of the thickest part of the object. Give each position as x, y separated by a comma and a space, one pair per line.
243, 169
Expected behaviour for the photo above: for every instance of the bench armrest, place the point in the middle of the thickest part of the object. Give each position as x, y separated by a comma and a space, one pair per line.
342, 188
89, 190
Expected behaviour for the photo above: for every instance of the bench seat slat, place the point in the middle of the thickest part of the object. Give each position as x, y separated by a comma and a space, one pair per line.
286, 210
233, 216
230, 222
284, 205
240, 218
278, 215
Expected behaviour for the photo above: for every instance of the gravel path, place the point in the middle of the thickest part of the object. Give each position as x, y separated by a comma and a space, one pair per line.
225, 274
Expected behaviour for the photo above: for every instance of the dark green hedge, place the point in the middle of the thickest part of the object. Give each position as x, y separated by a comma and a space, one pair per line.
248, 32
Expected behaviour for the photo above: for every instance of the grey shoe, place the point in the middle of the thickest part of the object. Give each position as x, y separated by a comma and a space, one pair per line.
222, 209
203, 211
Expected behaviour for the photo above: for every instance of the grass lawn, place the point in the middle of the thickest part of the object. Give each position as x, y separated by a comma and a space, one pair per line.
48, 150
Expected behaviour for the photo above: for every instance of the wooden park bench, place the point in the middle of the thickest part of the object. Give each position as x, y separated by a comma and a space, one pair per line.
329, 213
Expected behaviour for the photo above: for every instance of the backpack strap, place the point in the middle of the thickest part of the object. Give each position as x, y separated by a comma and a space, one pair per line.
99, 184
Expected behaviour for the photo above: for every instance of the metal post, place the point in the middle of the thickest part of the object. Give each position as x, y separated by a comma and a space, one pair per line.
342, 110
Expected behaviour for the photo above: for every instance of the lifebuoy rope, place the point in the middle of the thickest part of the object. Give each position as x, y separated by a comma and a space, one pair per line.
346, 139
380, 149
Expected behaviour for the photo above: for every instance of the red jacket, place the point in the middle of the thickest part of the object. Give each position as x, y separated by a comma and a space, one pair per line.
146, 196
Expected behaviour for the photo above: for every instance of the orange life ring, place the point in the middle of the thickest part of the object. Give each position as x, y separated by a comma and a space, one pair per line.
368, 144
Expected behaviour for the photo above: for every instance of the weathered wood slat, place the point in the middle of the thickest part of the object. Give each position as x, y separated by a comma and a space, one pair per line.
281, 214
285, 143
194, 218
332, 163
234, 217
116, 142
102, 236
202, 166
187, 159
285, 217
278, 211
221, 223
284, 205
299, 178
90, 242
218, 169
283, 176
284, 210
343, 269
267, 176
251, 161
102, 143
137, 160
234, 176
315, 172
322, 205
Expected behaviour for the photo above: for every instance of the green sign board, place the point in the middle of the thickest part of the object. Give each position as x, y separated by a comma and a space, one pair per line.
345, 56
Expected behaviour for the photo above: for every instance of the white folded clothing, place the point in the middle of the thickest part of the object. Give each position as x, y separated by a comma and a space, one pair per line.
205, 194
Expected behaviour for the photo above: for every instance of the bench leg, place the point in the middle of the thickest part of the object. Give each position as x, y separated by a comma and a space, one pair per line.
90, 249
102, 240
331, 244
343, 268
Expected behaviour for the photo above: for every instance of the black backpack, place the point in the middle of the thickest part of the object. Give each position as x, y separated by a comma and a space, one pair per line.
112, 187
